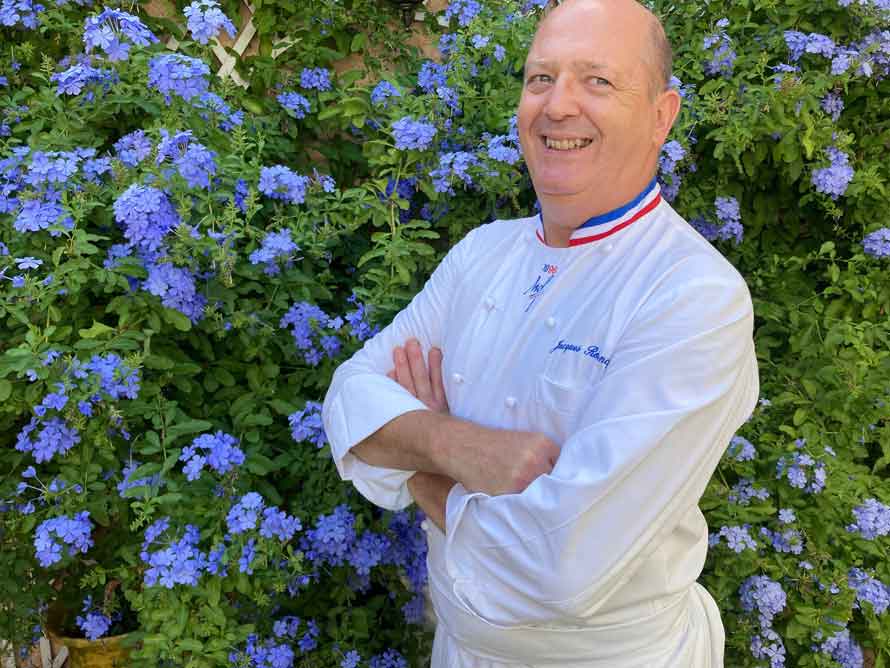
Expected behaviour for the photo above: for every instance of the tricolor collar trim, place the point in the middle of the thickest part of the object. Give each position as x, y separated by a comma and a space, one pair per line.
607, 224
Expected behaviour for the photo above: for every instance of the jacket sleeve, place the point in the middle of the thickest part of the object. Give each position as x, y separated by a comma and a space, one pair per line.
361, 399
681, 381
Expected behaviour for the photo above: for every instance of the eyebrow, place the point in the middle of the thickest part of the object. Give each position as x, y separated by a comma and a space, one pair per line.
577, 64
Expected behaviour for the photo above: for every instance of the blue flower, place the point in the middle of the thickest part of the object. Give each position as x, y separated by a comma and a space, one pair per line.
315, 78
248, 553
306, 425
332, 538
25, 263
278, 524
760, 593
833, 105
843, 649
108, 30
244, 514
872, 519
351, 659
737, 538
276, 248
52, 534
76, 78
463, 10
877, 244
133, 148
176, 74
389, 659
295, 103
432, 75
176, 288
206, 19
411, 134
180, 562
146, 215
382, 92
279, 182
94, 624
869, 590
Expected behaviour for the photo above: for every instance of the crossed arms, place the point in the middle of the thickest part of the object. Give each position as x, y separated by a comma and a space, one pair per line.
443, 449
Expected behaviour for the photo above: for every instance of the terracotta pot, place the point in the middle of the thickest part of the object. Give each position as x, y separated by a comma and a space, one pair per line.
82, 653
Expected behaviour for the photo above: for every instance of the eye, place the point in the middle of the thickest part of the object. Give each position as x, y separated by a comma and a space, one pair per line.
539, 79
599, 81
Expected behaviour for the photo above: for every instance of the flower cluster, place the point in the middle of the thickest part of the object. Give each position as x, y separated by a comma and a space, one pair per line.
451, 166
309, 324
869, 590
834, 179
382, 92
315, 78
277, 248
113, 32
279, 182
52, 534
872, 520
206, 19
176, 74
730, 222
877, 244
306, 425
745, 490
722, 55
802, 472
295, 103
219, 451
765, 596
177, 562
411, 134
738, 539
463, 10
741, 449
94, 623
842, 648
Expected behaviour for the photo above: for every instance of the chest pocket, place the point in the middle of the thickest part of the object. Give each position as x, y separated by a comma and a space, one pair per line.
564, 388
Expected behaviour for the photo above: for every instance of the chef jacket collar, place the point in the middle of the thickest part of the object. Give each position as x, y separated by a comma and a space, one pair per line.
607, 224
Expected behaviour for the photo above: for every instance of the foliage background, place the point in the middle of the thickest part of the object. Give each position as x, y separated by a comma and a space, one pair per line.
755, 127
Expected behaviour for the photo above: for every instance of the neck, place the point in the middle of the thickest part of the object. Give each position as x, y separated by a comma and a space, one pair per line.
563, 215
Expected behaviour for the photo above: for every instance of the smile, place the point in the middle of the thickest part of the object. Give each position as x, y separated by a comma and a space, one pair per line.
566, 144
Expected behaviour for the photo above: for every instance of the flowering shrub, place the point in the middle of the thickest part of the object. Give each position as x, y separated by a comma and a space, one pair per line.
183, 263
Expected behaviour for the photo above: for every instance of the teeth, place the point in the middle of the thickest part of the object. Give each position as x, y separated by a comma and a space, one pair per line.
566, 144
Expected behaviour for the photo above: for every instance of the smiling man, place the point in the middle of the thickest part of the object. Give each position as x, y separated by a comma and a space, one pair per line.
586, 369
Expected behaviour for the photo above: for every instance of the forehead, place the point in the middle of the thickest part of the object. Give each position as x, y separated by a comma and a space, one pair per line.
592, 36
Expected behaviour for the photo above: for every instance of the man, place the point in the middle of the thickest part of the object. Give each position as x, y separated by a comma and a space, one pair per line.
596, 361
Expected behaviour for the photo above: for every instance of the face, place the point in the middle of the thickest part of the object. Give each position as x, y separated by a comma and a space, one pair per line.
590, 127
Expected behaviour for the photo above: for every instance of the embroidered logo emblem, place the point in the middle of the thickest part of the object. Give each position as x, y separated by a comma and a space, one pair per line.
590, 351
548, 273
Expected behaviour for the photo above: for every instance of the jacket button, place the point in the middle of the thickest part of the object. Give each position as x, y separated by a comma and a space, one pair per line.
551, 322
607, 248
511, 402
457, 378
489, 303
425, 525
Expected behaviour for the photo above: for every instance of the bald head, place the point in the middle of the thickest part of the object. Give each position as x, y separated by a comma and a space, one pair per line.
657, 54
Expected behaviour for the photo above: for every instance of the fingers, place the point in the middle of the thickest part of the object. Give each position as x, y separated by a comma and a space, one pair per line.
419, 373
436, 382
402, 370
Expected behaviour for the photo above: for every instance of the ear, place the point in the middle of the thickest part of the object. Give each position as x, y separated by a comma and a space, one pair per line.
667, 106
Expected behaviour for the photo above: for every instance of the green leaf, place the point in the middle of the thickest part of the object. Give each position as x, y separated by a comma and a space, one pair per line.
96, 331
5, 390
187, 427
177, 319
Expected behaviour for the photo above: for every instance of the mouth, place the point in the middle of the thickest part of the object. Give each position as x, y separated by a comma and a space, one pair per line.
573, 144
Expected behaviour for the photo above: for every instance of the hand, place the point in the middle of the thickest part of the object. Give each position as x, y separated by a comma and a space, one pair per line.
411, 372
499, 461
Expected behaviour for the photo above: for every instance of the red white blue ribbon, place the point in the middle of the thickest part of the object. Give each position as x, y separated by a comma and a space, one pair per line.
607, 224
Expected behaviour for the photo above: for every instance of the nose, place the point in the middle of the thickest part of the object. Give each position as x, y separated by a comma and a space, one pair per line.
562, 102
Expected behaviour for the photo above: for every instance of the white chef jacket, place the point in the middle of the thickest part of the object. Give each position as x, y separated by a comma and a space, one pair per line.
632, 349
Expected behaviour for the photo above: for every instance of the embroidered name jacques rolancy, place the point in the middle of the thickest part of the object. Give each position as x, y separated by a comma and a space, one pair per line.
545, 278
590, 351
